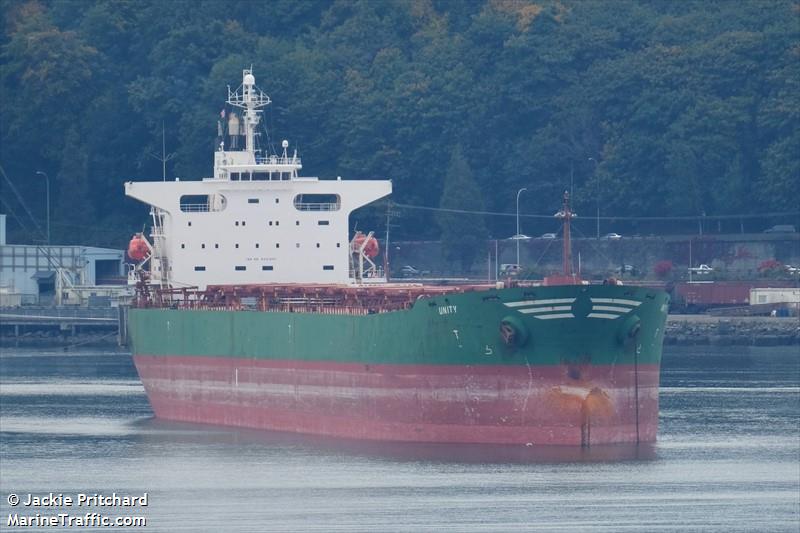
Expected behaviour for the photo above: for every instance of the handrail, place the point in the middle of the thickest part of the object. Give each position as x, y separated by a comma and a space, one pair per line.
194, 208
313, 206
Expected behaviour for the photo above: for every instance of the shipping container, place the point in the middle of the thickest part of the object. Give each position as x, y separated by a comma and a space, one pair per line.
773, 295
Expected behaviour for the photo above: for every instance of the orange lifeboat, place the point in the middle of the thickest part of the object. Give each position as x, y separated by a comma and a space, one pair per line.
138, 248
371, 249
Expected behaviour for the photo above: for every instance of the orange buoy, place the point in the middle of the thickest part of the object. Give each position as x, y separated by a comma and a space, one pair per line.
138, 248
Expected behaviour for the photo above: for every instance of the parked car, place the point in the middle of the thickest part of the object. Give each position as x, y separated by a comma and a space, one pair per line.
627, 269
510, 269
781, 228
548, 236
612, 236
792, 269
702, 269
409, 271
518, 237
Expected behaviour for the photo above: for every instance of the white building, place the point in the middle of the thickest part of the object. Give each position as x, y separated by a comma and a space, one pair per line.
29, 273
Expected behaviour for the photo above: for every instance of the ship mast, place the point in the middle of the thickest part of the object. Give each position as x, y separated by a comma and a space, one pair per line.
250, 98
567, 215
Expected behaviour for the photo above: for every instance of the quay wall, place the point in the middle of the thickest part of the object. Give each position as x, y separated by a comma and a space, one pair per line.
726, 331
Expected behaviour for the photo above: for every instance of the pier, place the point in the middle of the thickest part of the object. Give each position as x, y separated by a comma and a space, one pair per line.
62, 325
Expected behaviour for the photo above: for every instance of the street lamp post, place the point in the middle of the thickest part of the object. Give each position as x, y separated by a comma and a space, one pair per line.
518, 234
47, 186
596, 194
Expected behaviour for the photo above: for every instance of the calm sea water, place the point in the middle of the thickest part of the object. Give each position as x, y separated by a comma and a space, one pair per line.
727, 459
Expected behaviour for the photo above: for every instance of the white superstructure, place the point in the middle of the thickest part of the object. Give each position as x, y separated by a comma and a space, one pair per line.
256, 220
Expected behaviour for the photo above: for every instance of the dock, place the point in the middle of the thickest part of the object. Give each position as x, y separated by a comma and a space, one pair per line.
62, 324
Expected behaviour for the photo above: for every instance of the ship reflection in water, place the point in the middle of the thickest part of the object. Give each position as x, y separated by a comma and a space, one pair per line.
726, 459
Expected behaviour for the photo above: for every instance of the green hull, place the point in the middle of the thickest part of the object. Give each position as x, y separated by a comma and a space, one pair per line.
453, 329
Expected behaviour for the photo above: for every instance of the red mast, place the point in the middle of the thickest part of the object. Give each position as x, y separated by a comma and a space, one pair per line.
566, 277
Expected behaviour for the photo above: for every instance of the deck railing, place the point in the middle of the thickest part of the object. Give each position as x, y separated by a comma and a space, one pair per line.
310, 206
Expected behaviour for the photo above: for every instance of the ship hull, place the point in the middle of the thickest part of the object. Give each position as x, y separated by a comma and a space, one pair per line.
439, 372
489, 404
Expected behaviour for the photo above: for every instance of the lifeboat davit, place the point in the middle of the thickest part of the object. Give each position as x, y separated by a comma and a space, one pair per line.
138, 248
371, 249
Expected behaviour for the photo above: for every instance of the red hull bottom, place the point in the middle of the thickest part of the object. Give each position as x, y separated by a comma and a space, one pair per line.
553, 405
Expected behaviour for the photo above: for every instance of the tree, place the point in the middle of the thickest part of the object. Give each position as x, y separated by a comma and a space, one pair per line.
463, 234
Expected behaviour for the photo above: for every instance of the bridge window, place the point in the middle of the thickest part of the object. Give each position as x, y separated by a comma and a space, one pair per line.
317, 202
199, 269
266, 267
240, 268
327, 267
323, 223
252, 200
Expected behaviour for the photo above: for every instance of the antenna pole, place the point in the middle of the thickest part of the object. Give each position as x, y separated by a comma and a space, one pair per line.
386, 247
164, 156
163, 153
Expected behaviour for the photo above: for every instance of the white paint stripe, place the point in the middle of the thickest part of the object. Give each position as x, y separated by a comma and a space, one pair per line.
602, 315
256, 394
620, 301
610, 308
546, 309
560, 315
525, 303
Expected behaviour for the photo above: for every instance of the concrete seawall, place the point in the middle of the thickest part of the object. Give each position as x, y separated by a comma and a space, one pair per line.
726, 331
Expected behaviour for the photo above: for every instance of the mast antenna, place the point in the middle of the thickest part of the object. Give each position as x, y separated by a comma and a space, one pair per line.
164, 157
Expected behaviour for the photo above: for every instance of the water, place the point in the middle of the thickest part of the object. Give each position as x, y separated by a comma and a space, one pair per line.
728, 459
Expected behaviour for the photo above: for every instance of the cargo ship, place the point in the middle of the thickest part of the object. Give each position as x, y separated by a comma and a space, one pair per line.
255, 307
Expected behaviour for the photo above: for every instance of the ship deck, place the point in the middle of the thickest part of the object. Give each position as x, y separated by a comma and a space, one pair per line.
338, 299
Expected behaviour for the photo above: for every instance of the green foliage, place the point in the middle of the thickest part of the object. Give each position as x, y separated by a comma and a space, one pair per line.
463, 236
685, 107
